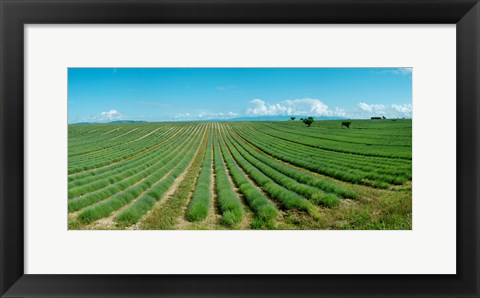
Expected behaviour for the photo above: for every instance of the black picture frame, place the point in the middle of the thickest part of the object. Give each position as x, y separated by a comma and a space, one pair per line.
16, 13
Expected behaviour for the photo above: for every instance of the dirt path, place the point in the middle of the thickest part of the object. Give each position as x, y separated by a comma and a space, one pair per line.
93, 130
213, 217
128, 132
115, 129
143, 137
164, 198
182, 222
170, 192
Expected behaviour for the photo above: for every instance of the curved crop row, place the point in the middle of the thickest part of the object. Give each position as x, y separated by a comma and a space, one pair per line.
106, 207
90, 175
287, 198
201, 198
77, 150
99, 144
133, 213
377, 164
311, 193
111, 131
336, 140
385, 163
265, 211
300, 176
372, 150
103, 180
167, 215
99, 163
353, 173
228, 200
125, 185
112, 148
111, 155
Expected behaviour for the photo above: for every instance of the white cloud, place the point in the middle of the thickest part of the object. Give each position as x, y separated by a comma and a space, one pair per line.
183, 116
262, 108
340, 112
373, 108
220, 115
110, 115
304, 106
205, 116
104, 117
365, 111
405, 108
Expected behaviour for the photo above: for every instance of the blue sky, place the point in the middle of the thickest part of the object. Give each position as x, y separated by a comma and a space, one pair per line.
181, 94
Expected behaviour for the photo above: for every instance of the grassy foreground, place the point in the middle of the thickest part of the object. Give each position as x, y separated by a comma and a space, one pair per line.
241, 175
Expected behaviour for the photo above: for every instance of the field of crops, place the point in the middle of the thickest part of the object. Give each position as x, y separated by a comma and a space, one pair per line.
240, 175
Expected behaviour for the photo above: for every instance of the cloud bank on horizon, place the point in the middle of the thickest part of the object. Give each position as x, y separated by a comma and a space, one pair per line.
295, 107
315, 107
105, 94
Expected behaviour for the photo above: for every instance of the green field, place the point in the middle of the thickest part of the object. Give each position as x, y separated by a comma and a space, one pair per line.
240, 175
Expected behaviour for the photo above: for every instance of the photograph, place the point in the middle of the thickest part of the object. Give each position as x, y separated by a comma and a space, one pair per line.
190, 148
239, 148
